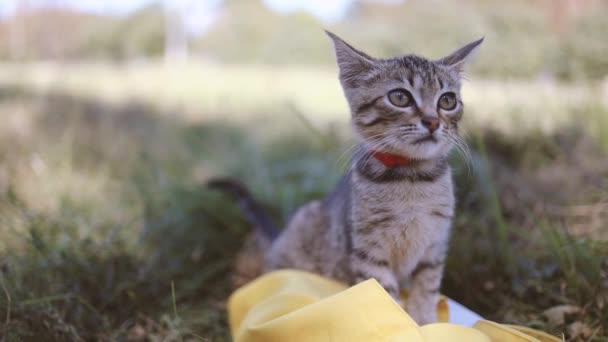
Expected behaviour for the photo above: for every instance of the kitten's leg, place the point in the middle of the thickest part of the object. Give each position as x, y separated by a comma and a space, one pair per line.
298, 246
425, 286
373, 262
249, 263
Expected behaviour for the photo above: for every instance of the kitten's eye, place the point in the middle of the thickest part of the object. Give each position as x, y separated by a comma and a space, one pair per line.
447, 101
400, 98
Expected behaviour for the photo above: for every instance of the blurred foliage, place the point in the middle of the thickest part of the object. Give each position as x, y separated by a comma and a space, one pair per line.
141, 34
582, 51
43, 34
250, 32
524, 39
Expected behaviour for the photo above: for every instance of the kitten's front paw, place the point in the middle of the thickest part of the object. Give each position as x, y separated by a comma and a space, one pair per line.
399, 301
422, 314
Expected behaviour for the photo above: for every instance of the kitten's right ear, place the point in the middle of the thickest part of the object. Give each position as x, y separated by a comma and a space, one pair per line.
458, 58
351, 62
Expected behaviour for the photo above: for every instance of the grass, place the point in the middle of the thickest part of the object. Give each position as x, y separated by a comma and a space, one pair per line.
108, 234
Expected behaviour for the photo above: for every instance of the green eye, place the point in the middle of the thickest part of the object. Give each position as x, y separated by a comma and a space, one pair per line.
447, 101
400, 98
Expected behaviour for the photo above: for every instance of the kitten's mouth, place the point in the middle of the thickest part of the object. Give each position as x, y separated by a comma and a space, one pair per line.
425, 139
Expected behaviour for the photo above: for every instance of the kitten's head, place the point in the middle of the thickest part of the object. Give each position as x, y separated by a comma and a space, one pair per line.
407, 105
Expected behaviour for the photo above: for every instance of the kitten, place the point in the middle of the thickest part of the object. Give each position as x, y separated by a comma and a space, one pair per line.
389, 217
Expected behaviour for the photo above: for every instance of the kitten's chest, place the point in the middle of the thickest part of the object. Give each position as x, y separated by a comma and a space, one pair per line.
418, 212
406, 216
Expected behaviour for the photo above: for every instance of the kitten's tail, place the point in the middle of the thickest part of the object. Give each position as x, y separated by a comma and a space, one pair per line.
251, 208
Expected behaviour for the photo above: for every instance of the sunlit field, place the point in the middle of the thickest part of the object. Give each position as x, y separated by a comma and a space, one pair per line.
204, 91
108, 233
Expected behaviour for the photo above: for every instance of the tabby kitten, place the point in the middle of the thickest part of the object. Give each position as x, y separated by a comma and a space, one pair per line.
389, 217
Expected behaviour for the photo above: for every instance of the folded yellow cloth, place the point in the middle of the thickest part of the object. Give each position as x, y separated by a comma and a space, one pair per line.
296, 306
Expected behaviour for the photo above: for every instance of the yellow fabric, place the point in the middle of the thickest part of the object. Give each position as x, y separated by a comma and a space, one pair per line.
295, 306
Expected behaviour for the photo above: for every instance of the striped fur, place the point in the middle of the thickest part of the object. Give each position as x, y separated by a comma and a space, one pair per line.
391, 224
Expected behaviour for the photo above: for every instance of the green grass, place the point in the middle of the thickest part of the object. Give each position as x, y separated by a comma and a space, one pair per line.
108, 234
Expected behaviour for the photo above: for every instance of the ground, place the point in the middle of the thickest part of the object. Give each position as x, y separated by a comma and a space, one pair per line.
109, 234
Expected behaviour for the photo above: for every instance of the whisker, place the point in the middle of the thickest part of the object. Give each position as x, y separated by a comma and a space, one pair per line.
407, 129
352, 147
370, 145
462, 149
370, 156
346, 151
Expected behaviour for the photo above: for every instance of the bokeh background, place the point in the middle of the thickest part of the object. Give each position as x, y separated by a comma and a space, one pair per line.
115, 113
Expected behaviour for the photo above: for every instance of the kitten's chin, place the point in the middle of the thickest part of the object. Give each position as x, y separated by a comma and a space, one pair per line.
420, 149
426, 150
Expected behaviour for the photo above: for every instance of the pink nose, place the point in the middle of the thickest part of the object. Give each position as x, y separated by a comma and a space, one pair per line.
430, 122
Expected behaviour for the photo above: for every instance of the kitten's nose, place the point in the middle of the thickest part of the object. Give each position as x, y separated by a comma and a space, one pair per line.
430, 122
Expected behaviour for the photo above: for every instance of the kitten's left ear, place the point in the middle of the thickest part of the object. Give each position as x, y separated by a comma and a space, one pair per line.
352, 63
459, 58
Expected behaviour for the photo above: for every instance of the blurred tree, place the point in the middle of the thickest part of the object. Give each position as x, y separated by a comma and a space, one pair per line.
140, 35
247, 31
45, 33
563, 38
16, 33
240, 32
176, 36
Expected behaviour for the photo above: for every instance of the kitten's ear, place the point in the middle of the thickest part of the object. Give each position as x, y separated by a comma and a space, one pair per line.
351, 62
460, 57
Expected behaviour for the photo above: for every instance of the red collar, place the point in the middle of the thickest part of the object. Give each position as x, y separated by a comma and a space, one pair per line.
391, 160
